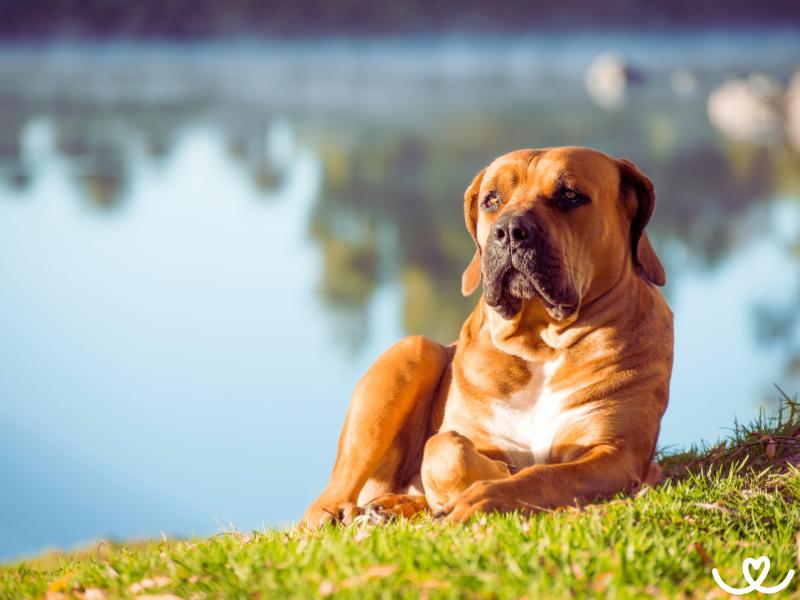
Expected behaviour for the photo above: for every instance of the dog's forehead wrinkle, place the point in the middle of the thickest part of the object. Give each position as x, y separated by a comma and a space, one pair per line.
503, 167
532, 160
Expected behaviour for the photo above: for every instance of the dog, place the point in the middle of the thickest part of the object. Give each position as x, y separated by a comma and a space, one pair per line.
554, 392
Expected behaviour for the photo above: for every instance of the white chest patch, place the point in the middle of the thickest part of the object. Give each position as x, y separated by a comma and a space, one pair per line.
525, 424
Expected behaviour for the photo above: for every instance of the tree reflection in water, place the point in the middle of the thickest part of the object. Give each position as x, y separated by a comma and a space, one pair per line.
395, 169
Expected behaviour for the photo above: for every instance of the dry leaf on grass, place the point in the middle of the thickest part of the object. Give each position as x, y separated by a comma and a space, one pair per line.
149, 583
771, 446
716, 593
60, 584
374, 572
361, 536
770, 450
79, 593
601, 582
713, 506
432, 584
701, 551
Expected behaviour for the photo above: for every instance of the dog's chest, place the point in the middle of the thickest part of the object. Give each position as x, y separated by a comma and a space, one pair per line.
524, 424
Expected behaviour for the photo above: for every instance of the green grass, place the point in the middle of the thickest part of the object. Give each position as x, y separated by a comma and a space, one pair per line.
716, 507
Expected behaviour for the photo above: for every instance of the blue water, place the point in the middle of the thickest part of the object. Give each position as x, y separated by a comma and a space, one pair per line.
169, 365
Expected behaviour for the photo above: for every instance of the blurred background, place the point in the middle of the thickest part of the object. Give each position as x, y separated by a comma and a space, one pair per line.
214, 215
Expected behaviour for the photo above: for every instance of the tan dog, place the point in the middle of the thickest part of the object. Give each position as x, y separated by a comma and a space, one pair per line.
555, 389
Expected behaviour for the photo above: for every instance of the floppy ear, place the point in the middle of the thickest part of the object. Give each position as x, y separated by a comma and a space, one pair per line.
635, 186
472, 275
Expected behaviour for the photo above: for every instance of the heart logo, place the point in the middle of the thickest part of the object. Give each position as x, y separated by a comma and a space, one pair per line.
761, 566
749, 564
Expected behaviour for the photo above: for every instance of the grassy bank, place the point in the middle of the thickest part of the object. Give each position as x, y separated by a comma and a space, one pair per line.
716, 507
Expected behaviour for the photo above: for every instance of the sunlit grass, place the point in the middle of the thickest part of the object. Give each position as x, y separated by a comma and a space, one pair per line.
716, 507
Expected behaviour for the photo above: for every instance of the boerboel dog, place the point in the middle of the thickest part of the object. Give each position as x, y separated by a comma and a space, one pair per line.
554, 392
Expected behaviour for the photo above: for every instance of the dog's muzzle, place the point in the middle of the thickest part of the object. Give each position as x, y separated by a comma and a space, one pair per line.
519, 263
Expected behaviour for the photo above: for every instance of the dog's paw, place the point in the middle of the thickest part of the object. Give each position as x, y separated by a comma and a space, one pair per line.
324, 511
398, 505
482, 496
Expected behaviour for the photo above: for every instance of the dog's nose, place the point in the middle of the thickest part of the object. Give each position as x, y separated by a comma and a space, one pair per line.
511, 230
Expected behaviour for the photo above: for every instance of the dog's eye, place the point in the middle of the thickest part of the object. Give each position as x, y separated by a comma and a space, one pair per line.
490, 202
569, 198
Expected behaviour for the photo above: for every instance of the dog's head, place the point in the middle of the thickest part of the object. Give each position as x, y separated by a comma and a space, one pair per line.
559, 225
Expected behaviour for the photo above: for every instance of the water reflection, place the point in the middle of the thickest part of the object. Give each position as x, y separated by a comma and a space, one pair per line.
195, 277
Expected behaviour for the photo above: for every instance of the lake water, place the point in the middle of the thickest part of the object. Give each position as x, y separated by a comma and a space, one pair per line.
202, 248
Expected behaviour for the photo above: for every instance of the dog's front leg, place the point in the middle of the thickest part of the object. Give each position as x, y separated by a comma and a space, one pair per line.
387, 419
602, 471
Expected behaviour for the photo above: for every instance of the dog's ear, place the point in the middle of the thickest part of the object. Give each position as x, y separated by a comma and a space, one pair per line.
472, 275
639, 197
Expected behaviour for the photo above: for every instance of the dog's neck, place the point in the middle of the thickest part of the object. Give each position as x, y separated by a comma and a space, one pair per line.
534, 335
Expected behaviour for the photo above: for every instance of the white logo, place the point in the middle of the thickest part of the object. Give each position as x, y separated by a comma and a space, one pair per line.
761, 562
